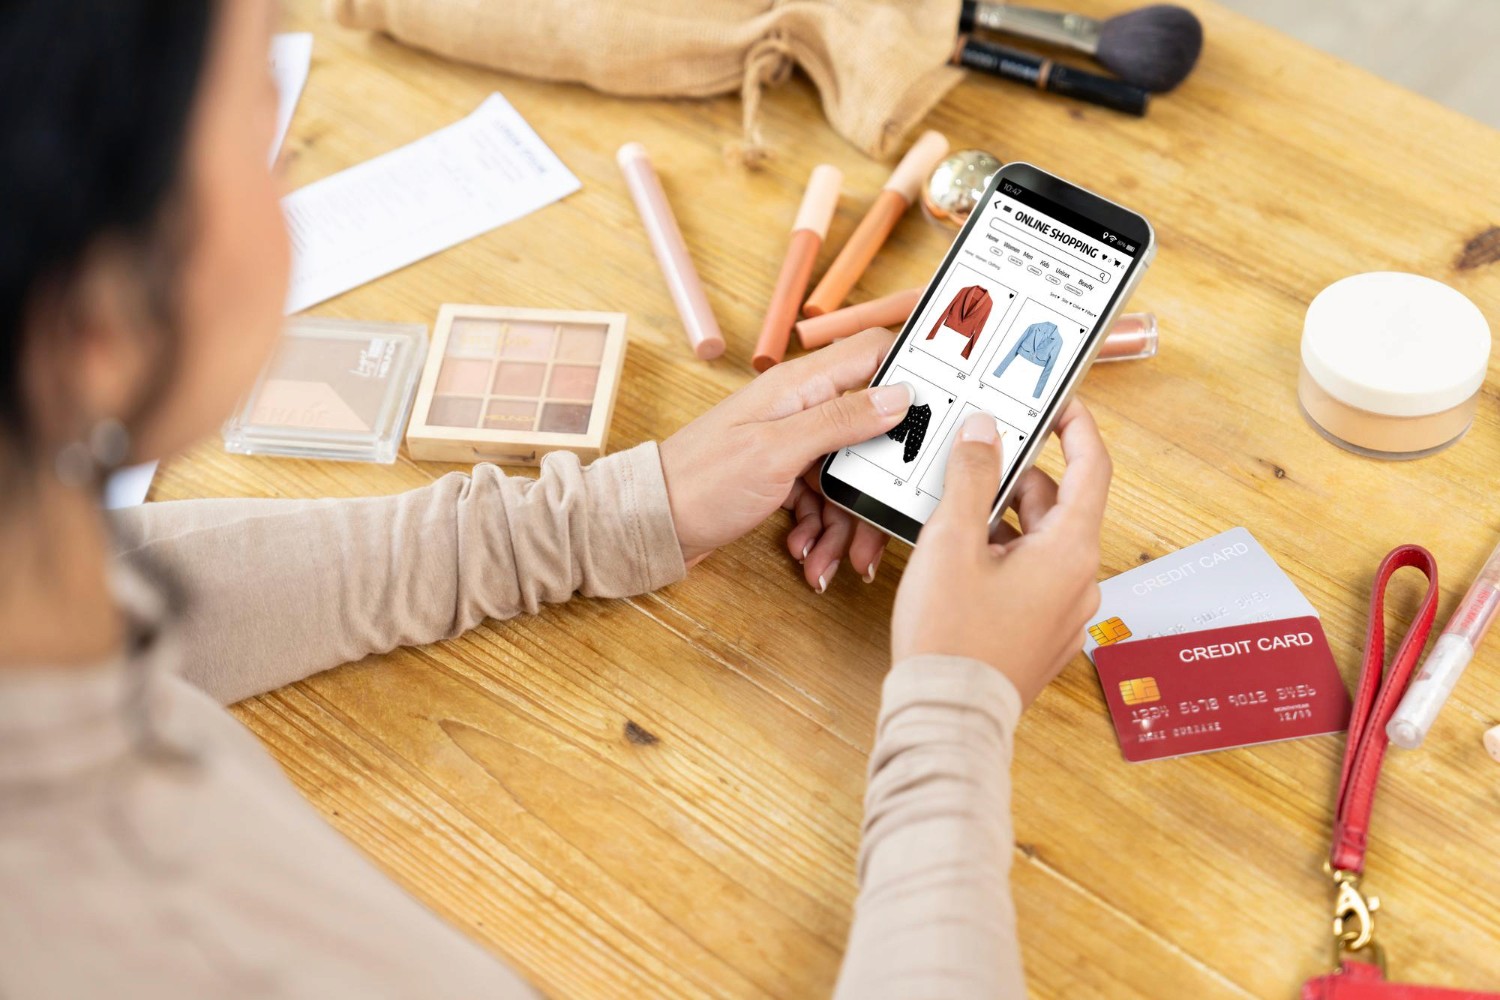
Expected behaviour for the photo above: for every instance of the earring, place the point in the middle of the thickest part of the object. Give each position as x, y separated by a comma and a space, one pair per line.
86, 464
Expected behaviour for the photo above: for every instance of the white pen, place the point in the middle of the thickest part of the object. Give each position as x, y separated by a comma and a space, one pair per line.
1441, 670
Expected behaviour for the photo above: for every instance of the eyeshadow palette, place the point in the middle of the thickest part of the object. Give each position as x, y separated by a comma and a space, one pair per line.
336, 389
510, 385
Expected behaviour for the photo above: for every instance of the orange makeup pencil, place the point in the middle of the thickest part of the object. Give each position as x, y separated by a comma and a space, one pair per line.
808, 231
871, 233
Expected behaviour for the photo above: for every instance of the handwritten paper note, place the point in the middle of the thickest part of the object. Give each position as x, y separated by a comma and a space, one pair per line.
483, 171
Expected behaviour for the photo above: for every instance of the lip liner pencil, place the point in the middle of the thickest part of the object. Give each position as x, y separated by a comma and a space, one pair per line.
888, 310
808, 232
1134, 335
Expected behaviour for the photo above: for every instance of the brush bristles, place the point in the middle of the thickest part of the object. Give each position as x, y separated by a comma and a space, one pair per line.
1155, 47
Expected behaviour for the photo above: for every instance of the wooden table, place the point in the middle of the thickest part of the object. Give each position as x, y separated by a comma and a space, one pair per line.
661, 796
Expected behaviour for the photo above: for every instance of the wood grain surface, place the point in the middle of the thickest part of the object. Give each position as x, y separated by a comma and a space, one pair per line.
661, 796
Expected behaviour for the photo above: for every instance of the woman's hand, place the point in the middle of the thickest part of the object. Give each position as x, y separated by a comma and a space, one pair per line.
1019, 602
731, 468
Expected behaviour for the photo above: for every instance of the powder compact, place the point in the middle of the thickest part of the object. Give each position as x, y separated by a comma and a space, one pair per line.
1392, 364
335, 389
510, 385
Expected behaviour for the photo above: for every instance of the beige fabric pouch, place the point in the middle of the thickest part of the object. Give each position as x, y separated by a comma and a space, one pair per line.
880, 65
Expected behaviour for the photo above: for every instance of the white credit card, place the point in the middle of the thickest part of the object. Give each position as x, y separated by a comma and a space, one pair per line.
1224, 580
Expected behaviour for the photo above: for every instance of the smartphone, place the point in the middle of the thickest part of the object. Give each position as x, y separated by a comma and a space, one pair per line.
1008, 326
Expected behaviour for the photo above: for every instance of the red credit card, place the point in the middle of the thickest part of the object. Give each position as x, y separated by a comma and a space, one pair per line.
1226, 687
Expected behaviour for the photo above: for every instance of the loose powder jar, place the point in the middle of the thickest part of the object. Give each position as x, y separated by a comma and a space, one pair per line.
1392, 364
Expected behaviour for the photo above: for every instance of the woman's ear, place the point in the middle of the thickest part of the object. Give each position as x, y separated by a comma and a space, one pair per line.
98, 344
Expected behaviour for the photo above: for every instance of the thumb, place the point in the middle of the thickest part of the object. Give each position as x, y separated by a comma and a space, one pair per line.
972, 478
845, 420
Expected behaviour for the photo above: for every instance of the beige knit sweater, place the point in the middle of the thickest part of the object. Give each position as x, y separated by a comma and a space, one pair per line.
149, 847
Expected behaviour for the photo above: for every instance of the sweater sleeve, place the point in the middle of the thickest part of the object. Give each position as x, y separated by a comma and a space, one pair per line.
1011, 355
1041, 380
276, 590
937, 325
934, 915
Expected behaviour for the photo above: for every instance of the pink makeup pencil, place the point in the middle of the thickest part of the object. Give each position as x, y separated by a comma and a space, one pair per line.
671, 252
808, 232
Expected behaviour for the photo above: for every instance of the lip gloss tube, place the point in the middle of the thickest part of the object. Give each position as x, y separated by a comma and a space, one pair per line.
808, 231
873, 230
1429, 689
671, 252
1132, 338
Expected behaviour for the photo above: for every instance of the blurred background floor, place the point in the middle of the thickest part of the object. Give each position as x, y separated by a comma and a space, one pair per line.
1440, 48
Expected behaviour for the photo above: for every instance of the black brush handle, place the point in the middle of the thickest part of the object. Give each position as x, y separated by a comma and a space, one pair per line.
1044, 74
966, 15
1101, 90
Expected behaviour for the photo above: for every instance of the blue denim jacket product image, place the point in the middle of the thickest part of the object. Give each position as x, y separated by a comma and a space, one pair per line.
1040, 344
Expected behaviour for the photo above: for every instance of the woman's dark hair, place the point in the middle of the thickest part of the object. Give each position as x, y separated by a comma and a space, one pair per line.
93, 125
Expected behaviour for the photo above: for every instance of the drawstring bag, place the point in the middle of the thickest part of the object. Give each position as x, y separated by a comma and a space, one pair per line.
880, 65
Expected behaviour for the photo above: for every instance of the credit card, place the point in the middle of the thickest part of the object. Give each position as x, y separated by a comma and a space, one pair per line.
1224, 580
1222, 688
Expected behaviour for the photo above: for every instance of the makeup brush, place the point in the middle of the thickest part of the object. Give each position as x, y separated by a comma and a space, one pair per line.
1154, 47
1045, 74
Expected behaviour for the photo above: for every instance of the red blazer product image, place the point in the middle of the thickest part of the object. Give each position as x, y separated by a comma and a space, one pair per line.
966, 315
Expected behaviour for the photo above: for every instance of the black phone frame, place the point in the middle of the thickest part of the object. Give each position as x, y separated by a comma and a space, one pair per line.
1069, 204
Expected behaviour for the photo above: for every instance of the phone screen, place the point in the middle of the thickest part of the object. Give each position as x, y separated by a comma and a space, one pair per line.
1000, 330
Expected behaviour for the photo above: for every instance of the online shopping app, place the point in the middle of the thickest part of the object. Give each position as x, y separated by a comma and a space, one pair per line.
1001, 332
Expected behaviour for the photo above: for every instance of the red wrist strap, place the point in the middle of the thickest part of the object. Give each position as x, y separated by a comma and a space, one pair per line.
1376, 696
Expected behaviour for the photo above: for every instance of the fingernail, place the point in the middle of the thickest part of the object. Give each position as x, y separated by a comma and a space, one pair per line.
827, 575
979, 427
805, 550
892, 399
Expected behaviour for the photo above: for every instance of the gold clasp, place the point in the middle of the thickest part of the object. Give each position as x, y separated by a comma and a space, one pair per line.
1353, 918
1351, 903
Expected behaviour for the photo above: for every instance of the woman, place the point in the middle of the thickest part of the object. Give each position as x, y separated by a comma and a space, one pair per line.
148, 844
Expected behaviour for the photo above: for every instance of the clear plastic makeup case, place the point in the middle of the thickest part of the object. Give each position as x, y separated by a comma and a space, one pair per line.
335, 389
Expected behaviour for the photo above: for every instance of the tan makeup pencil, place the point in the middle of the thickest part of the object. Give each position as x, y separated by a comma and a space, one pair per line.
892, 202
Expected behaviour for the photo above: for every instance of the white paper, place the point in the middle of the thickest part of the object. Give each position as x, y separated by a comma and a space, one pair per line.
481, 172
291, 55
128, 486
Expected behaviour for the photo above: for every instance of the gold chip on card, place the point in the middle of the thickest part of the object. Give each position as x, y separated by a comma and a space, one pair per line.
1109, 630
1140, 691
